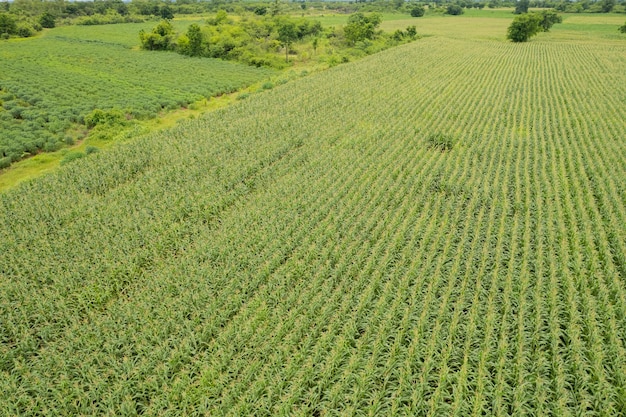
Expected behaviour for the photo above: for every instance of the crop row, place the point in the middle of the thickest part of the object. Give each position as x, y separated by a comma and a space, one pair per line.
308, 252
49, 84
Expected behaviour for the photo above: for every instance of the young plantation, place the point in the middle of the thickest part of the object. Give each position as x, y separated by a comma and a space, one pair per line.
49, 85
438, 229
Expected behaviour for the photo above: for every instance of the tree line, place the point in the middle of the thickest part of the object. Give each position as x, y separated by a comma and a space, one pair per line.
259, 38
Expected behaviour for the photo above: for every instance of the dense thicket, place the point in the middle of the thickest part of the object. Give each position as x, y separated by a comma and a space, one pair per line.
258, 39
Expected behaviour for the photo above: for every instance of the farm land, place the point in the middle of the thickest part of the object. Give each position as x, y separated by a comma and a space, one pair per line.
436, 229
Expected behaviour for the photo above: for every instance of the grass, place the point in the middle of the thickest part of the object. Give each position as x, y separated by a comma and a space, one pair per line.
309, 251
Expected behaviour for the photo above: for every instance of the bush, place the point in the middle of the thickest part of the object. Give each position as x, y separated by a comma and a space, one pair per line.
454, 10
417, 11
622, 28
25, 31
521, 6
8, 25
5, 162
72, 156
91, 149
159, 39
108, 117
47, 20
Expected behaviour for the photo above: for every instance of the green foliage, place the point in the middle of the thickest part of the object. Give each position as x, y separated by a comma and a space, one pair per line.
528, 25
25, 31
418, 11
47, 20
548, 19
454, 10
159, 39
72, 156
287, 34
106, 19
102, 117
91, 149
361, 26
607, 5
622, 28
524, 27
521, 6
411, 31
166, 12
8, 24
192, 43
88, 67
440, 141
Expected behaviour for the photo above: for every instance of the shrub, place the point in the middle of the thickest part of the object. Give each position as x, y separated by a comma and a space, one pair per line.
91, 149
159, 39
8, 26
454, 10
622, 28
47, 20
25, 31
521, 6
100, 117
417, 11
71, 156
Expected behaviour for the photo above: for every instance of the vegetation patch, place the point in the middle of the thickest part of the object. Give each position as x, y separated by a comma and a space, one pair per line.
441, 141
276, 41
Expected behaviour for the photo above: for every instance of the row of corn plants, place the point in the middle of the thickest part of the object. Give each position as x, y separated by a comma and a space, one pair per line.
310, 252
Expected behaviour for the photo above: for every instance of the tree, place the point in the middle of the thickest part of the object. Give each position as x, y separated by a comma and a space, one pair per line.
287, 34
275, 8
159, 39
194, 35
166, 12
454, 10
417, 11
361, 27
548, 19
411, 32
47, 20
521, 6
524, 27
607, 5
8, 25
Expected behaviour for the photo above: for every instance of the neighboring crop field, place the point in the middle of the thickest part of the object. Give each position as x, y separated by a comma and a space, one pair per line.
48, 84
439, 229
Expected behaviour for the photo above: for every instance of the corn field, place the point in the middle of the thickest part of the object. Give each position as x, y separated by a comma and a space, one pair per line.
435, 230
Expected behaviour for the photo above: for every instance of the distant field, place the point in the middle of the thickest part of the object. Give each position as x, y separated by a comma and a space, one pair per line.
50, 83
435, 230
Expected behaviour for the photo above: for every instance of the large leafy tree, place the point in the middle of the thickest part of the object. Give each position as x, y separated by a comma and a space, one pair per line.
361, 26
287, 34
521, 6
8, 25
528, 25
